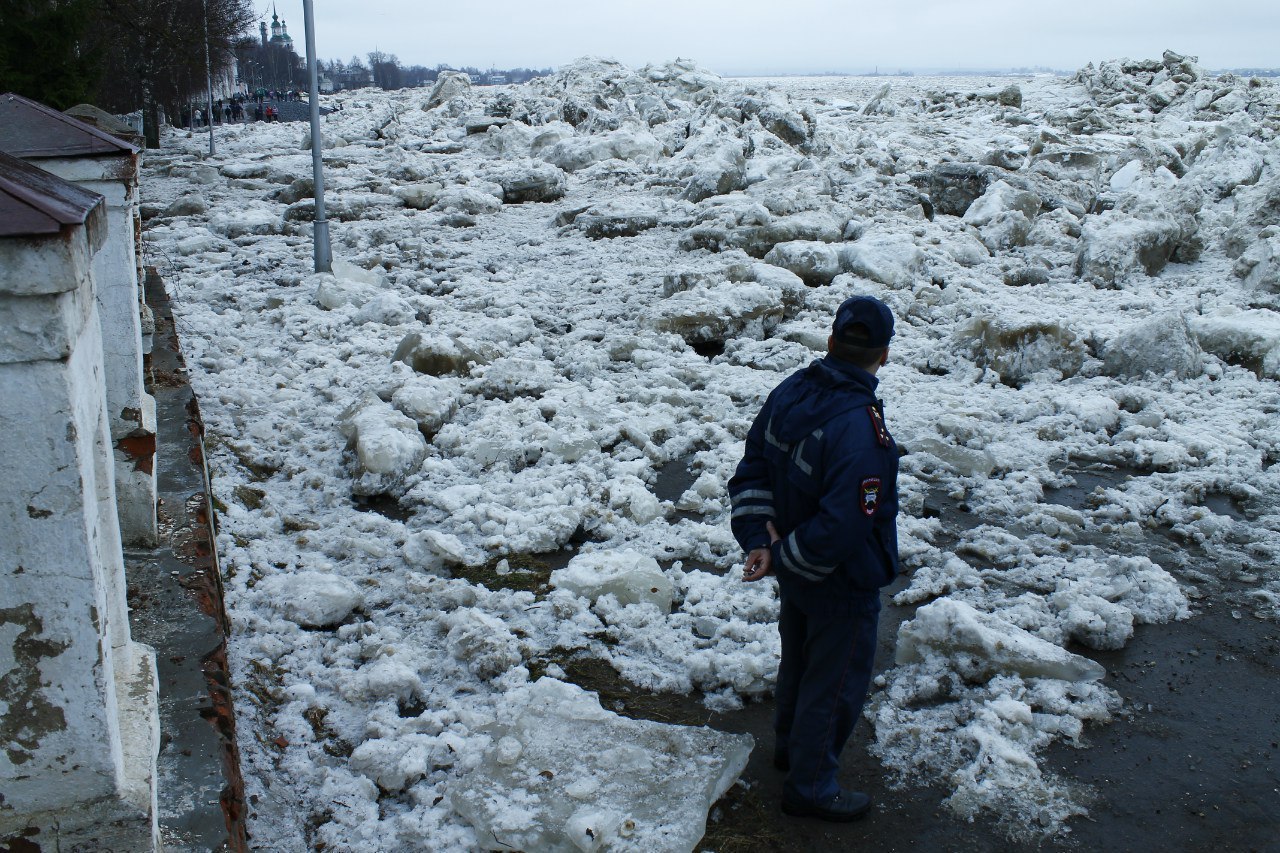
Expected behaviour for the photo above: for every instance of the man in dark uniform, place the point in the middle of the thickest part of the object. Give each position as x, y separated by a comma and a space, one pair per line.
814, 502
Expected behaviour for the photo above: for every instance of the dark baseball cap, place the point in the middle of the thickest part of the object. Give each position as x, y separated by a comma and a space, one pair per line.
863, 321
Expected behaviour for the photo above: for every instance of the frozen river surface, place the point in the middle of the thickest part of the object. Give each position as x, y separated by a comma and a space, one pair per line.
493, 446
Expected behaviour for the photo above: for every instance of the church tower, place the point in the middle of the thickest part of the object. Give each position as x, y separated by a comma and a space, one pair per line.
280, 31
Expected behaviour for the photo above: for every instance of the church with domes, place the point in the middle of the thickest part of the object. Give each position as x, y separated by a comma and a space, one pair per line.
279, 32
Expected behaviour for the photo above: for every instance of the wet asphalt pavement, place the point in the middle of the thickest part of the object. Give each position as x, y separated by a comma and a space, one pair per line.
1197, 771
1191, 762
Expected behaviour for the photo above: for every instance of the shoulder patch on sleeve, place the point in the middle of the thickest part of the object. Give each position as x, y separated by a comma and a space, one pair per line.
869, 495
877, 423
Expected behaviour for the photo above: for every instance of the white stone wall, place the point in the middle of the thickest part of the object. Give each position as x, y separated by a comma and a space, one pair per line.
78, 712
131, 411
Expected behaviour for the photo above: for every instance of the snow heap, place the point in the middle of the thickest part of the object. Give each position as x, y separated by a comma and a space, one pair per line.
446, 466
565, 775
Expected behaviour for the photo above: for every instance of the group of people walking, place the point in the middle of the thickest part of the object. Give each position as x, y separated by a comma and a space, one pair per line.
259, 106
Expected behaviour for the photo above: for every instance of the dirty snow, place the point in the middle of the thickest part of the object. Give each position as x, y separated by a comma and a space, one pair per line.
606, 277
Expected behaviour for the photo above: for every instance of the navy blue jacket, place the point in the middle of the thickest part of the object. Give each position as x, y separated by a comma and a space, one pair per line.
821, 465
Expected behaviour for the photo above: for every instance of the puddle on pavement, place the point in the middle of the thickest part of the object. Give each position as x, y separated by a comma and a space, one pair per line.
673, 480
1085, 492
520, 572
621, 696
1087, 482
1192, 762
1188, 560
384, 505
1222, 504
695, 566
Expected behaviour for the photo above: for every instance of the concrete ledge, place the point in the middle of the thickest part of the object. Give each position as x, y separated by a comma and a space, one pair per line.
135, 456
175, 602
43, 327
27, 270
99, 825
138, 702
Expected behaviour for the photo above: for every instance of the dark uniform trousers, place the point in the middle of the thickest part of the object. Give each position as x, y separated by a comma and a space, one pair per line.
823, 678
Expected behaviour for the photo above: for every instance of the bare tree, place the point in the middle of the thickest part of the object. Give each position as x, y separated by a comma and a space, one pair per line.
155, 51
45, 50
386, 70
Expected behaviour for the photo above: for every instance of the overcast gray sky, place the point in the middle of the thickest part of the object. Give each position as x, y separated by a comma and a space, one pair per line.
784, 36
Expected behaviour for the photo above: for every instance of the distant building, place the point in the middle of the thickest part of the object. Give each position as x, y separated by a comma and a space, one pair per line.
279, 31
271, 63
352, 78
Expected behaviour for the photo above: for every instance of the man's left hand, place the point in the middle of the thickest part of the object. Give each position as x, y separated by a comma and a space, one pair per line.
760, 561
759, 565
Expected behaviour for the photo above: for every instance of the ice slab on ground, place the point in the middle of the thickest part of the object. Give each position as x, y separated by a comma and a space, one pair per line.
947, 627
1250, 337
814, 262
312, 599
253, 218
529, 181
1259, 266
890, 259
1118, 244
716, 313
449, 85
1019, 347
628, 143
1003, 215
629, 576
565, 775
1159, 345
387, 444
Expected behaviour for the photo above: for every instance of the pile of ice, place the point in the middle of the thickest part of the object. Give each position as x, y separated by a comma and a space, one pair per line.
564, 775
552, 294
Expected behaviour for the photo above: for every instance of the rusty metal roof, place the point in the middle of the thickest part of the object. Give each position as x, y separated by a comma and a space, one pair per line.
32, 130
34, 202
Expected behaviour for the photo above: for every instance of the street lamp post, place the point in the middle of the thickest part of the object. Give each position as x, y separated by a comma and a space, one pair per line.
208, 75
323, 254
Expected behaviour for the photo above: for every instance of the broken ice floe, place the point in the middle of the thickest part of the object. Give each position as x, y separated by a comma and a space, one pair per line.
1250, 338
950, 627
561, 774
973, 700
1159, 345
630, 577
482, 641
312, 599
1018, 348
387, 444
